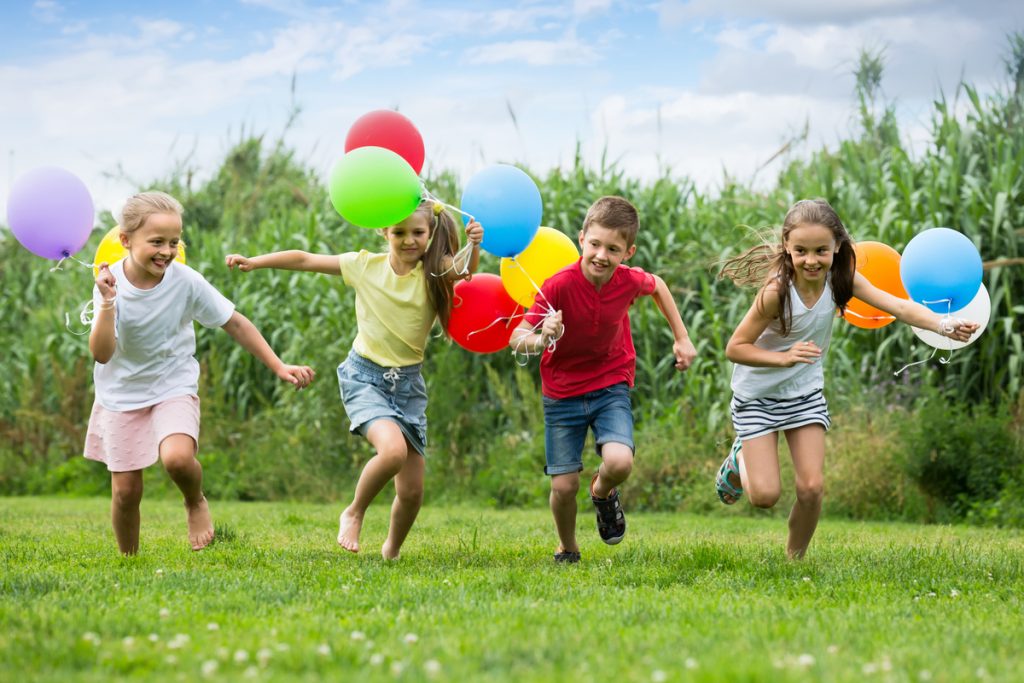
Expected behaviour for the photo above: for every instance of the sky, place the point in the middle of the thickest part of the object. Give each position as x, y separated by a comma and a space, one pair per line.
120, 93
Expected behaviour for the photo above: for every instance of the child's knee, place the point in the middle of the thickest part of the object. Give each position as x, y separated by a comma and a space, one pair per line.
177, 461
765, 497
617, 461
409, 496
127, 495
565, 485
810, 492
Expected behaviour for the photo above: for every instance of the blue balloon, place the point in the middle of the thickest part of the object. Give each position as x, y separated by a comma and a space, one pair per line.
506, 202
941, 269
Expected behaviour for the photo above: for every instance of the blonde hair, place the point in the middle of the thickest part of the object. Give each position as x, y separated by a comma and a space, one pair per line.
141, 206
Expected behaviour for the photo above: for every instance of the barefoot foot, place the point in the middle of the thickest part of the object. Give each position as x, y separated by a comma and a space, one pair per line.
349, 527
200, 525
389, 553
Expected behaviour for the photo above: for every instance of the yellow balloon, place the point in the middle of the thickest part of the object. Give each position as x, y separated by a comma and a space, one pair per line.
110, 250
548, 252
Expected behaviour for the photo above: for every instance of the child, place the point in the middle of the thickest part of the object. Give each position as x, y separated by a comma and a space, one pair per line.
399, 294
587, 373
778, 350
146, 374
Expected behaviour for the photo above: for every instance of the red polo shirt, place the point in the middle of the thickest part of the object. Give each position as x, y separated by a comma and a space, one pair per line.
596, 350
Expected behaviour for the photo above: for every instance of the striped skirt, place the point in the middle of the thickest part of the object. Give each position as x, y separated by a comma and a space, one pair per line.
760, 416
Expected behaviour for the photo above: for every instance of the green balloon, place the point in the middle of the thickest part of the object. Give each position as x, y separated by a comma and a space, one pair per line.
373, 187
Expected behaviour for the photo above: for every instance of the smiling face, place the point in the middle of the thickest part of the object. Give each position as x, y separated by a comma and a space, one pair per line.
151, 248
812, 248
407, 242
603, 250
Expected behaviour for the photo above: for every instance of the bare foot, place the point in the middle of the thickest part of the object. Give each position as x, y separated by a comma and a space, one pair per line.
200, 525
387, 553
349, 527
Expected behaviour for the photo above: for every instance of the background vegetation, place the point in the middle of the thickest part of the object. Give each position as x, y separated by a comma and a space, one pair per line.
939, 442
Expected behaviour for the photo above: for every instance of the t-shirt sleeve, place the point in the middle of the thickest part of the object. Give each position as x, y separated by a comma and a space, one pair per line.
645, 282
209, 307
352, 264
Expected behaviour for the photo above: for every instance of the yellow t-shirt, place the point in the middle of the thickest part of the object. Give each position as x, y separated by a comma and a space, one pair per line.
393, 312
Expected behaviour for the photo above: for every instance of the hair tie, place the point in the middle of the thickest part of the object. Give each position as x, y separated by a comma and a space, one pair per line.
438, 208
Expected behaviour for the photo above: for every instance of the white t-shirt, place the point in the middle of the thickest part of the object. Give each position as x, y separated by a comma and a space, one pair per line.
154, 359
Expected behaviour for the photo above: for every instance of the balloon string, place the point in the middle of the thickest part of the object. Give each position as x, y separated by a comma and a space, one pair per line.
945, 324
869, 317
539, 294
427, 194
85, 316
521, 355
463, 255
67, 256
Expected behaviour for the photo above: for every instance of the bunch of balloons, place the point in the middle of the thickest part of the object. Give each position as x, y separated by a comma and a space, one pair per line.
50, 212
940, 268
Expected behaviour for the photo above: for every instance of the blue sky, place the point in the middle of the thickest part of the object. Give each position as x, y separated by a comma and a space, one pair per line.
702, 86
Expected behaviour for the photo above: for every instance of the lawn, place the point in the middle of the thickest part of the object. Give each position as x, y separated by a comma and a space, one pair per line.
476, 597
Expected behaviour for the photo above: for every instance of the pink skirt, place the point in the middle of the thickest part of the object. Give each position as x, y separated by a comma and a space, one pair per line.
130, 440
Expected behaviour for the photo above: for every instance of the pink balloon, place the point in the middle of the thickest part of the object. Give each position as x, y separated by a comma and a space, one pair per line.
50, 212
484, 315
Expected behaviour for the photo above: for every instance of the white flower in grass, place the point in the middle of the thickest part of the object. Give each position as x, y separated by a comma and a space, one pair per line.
805, 660
411, 638
263, 656
432, 667
397, 667
282, 647
209, 667
222, 653
128, 641
931, 594
159, 572
212, 626
153, 637
170, 660
164, 612
981, 671
807, 579
91, 637
869, 668
924, 675
252, 672
954, 593
691, 663
659, 676
241, 656
358, 635
447, 582
832, 649
178, 641
324, 650
376, 659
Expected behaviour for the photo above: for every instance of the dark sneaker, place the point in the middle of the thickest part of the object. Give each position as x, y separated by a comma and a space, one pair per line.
611, 521
567, 557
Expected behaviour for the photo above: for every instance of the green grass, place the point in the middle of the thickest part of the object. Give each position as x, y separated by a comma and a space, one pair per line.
476, 598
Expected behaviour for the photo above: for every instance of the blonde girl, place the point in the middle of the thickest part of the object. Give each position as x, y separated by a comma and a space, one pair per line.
399, 295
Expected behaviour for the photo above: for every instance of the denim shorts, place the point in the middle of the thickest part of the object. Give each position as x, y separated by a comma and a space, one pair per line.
371, 392
607, 411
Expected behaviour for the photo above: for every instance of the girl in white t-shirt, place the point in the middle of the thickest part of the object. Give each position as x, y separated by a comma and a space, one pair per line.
399, 294
146, 374
778, 351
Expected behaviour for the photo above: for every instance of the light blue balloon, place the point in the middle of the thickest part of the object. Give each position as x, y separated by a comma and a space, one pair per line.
506, 202
941, 268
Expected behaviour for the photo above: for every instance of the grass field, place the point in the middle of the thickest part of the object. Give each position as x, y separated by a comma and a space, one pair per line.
476, 597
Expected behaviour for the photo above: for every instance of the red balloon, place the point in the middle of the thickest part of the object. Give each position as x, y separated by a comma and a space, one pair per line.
484, 315
390, 130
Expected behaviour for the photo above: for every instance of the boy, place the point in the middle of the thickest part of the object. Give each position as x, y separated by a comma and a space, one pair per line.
587, 376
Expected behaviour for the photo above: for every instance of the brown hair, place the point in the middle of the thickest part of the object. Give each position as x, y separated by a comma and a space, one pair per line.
760, 264
614, 213
141, 206
444, 243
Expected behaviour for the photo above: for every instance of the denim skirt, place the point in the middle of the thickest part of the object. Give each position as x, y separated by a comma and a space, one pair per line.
371, 392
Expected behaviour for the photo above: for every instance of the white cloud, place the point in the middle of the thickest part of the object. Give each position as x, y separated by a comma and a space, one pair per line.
47, 11
534, 52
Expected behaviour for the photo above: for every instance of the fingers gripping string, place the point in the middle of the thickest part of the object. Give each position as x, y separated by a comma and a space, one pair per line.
946, 327
522, 353
462, 258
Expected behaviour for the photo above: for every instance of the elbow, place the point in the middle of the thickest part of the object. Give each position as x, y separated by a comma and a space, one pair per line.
730, 352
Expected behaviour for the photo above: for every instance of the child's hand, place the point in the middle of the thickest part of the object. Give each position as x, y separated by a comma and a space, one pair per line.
299, 375
551, 329
684, 353
801, 352
243, 263
955, 328
474, 232
106, 282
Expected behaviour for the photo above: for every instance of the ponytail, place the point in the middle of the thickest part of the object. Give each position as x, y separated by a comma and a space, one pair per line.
444, 243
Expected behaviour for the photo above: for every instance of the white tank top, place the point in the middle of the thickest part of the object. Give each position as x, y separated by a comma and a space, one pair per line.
808, 324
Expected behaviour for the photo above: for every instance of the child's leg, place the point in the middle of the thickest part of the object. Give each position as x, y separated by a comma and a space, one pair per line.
807, 445
178, 455
389, 442
408, 499
616, 464
564, 488
759, 470
126, 495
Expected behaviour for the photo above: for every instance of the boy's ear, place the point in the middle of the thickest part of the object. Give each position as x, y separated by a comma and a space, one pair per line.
582, 234
629, 253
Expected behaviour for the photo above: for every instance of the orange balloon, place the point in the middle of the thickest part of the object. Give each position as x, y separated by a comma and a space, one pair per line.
880, 265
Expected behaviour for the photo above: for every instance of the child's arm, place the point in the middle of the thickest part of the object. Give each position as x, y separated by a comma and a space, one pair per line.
287, 260
525, 340
682, 348
741, 348
250, 339
911, 312
102, 341
474, 235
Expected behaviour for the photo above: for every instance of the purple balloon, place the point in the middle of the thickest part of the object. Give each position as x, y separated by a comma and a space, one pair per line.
50, 212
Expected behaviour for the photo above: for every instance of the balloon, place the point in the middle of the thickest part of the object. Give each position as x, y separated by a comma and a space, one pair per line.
979, 311
548, 252
110, 250
50, 212
880, 264
390, 130
484, 315
373, 187
940, 264
506, 202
